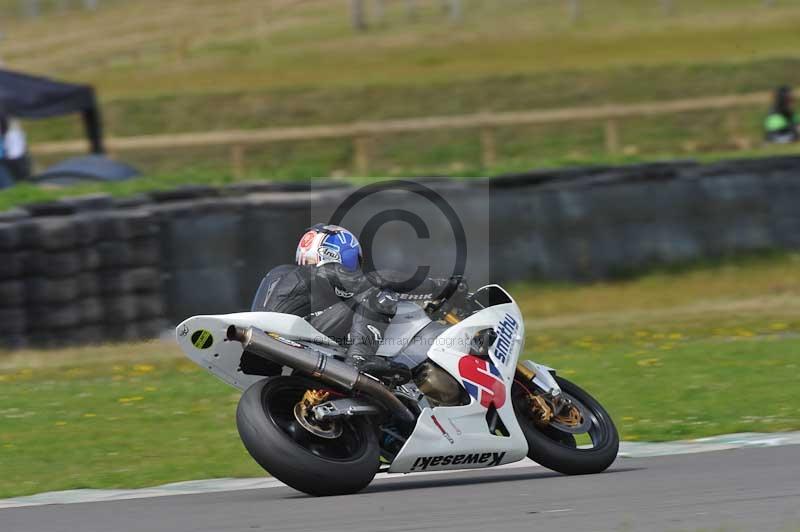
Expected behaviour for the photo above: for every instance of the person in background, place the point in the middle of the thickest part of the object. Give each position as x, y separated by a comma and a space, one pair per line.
781, 125
6, 179
4, 125
14, 149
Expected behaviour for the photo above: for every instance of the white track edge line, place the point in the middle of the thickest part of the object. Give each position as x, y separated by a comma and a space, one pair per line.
195, 487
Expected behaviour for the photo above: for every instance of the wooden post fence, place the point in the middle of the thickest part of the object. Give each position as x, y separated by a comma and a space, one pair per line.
364, 134
488, 147
612, 136
574, 10
358, 15
362, 152
237, 161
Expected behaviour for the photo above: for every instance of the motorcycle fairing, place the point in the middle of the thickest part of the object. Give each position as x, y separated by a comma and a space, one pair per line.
409, 319
450, 437
221, 357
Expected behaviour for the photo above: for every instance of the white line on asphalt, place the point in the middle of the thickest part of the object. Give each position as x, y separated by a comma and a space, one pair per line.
193, 487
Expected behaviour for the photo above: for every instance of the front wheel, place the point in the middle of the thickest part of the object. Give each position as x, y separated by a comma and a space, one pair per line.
554, 446
338, 465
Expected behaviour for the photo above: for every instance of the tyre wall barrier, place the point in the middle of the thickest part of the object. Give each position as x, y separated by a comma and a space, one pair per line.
85, 277
200, 255
98, 269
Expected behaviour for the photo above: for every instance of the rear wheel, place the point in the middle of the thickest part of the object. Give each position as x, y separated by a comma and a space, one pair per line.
343, 461
554, 445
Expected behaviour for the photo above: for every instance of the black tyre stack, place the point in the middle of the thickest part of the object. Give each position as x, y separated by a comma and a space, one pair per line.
202, 256
13, 318
127, 275
83, 278
95, 268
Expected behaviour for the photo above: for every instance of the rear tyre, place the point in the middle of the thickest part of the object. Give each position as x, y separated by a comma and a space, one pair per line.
306, 462
556, 450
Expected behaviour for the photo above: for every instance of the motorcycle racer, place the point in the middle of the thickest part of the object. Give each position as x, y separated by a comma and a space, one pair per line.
328, 287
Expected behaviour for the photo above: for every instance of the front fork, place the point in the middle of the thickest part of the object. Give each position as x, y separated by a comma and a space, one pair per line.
547, 405
528, 373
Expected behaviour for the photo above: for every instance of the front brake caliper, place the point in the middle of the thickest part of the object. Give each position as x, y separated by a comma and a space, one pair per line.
540, 411
570, 416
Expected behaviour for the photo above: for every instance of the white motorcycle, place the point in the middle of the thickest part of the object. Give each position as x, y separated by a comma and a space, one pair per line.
323, 428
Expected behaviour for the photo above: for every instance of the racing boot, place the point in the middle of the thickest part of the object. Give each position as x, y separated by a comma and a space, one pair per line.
381, 368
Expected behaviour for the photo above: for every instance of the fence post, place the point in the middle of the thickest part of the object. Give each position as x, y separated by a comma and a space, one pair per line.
574, 10
182, 47
237, 161
357, 15
362, 148
455, 10
612, 136
733, 126
411, 10
488, 148
380, 10
30, 8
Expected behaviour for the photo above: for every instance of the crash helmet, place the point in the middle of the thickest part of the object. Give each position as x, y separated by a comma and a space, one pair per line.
325, 244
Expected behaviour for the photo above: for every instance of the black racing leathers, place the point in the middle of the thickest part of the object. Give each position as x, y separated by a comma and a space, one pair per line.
352, 308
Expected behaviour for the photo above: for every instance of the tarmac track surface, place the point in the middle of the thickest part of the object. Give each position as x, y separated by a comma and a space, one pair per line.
744, 489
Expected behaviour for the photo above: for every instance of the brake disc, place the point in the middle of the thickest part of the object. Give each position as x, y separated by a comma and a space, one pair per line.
572, 418
330, 429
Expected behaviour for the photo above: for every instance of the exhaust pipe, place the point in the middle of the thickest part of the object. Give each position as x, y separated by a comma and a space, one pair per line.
320, 366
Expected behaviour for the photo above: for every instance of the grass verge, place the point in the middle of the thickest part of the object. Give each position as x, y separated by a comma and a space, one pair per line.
457, 160
707, 350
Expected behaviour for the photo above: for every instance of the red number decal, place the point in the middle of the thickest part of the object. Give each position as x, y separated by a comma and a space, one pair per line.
483, 381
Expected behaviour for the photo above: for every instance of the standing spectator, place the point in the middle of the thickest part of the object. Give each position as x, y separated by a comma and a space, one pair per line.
14, 149
6, 180
781, 125
4, 126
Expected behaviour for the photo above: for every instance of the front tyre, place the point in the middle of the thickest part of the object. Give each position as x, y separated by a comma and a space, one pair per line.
555, 449
306, 462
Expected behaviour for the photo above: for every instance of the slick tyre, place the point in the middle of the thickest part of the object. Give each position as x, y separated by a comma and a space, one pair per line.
306, 462
556, 450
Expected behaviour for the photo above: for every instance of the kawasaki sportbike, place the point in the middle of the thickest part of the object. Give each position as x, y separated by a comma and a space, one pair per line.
320, 426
